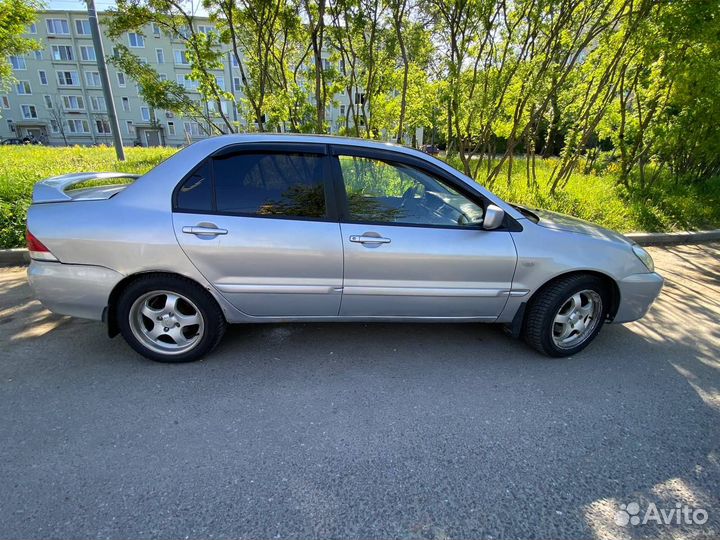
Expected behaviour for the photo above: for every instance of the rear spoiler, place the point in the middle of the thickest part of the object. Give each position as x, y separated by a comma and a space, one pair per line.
53, 189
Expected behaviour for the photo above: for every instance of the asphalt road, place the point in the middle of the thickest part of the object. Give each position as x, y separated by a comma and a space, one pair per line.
363, 431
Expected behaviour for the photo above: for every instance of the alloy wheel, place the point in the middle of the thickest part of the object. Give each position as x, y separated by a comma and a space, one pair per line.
577, 319
166, 322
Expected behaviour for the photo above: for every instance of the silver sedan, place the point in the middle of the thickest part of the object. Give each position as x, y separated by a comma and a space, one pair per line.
273, 228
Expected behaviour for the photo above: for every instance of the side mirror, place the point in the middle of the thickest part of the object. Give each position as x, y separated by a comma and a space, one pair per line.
494, 216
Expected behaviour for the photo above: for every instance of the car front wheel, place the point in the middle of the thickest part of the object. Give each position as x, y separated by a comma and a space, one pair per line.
169, 318
566, 315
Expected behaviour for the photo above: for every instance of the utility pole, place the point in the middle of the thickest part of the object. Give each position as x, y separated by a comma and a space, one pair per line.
105, 80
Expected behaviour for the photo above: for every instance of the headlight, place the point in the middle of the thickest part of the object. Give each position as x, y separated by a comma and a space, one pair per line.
645, 257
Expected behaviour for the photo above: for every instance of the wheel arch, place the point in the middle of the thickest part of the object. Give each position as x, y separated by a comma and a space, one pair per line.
515, 327
610, 284
110, 313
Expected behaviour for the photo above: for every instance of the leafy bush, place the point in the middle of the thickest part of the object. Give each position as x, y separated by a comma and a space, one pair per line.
667, 205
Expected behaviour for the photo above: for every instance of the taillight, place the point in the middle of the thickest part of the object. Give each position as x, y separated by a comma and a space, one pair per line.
37, 249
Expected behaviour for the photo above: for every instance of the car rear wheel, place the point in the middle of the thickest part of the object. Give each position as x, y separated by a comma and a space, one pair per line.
567, 315
169, 318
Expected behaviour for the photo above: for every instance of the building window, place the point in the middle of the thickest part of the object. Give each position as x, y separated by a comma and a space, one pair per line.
82, 27
54, 126
181, 58
98, 103
156, 29
186, 83
145, 113
11, 125
162, 76
121, 79
23, 88
130, 127
38, 55
18, 63
171, 128
326, 64
57, 27
160, 54
205, 29
192, 129
32, 29
342, 110
48, 102
28, 111
73, 103
5, 102
213, 108
126, 104
235, 61
62, 53
102, 126
43, 77
92, 78
77, 126
220, 80
68, 78
236, 84
136, 40
87, 53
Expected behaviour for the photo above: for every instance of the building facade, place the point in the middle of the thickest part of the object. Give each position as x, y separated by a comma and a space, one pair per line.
58, 98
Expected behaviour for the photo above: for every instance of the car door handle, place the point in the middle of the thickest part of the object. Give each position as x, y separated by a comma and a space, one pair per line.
200, 230
365, 239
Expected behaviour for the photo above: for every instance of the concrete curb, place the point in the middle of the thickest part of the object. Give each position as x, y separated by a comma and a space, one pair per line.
20, 257
14, 257
667, 239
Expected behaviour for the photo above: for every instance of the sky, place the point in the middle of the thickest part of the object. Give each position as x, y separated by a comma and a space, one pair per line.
100, 5
74, 5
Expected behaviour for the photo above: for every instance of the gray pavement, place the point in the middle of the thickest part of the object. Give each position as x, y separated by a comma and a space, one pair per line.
363, 430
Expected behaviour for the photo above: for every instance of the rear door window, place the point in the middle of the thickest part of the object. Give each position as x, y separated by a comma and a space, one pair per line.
271, 184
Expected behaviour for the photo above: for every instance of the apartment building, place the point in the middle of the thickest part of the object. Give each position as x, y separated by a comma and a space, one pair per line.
58, 98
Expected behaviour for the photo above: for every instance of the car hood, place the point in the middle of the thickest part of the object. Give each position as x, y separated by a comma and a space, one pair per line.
561, 222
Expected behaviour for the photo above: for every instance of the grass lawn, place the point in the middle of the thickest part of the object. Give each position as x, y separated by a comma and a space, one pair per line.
666, 207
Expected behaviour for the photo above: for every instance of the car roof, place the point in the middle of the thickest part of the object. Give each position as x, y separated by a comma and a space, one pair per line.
240, 138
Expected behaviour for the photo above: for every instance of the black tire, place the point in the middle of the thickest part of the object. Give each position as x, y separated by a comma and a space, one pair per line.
541, 311
214, 323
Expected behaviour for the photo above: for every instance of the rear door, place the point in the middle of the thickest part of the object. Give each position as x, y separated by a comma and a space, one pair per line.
413, 242
256, 222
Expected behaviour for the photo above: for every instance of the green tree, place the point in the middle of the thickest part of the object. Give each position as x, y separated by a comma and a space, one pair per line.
177, 19
15, 17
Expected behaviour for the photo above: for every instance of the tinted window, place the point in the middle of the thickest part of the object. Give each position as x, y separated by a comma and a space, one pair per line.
267, 184
383, 192
195, 193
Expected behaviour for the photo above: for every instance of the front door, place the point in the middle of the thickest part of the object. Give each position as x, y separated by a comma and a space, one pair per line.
152, 137
414, 246
256, 224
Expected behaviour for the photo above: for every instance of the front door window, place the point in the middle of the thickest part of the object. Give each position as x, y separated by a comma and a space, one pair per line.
384, 192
